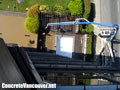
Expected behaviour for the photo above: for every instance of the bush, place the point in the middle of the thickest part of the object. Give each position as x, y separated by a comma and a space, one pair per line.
44, 8
76, 7
58, 9
33, 11
31, 25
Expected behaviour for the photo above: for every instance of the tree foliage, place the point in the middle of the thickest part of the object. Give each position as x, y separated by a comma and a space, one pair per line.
33, 11
32, 24
76, 7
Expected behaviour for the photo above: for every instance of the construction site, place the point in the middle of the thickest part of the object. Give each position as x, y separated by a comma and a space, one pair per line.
67, 52
63, 66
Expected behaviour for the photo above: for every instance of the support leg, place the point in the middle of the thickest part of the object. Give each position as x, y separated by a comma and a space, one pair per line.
111, 52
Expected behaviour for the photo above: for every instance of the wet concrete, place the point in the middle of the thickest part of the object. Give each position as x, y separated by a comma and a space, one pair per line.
12, 31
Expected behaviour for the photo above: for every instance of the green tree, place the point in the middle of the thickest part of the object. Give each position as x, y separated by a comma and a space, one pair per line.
31, 25
76, 7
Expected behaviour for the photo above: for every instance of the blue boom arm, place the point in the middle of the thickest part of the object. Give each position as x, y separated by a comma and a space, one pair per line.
78, 22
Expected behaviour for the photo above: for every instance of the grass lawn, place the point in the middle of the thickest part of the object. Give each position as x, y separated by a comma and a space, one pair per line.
14, 6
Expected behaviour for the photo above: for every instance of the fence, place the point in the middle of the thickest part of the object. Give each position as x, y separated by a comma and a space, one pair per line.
52, 18
49, 18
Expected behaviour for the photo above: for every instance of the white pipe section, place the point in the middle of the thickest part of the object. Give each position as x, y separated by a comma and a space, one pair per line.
85, 46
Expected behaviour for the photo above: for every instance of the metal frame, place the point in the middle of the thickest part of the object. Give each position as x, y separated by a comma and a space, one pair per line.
106, 42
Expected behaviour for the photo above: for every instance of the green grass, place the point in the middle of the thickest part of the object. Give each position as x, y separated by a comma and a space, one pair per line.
27, 3
89, 47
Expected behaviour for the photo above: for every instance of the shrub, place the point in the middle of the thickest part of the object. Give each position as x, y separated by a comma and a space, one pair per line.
33, 11
58, 9
31, 25
44, 8
76, 7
